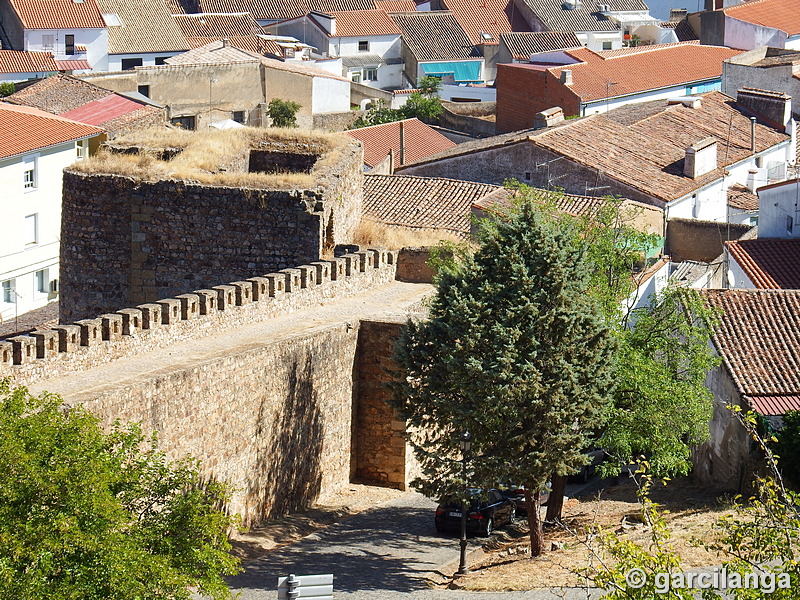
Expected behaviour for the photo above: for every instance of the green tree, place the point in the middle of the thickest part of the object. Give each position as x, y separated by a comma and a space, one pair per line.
6, 89
787, 448
430, 85
283, 113
91, 515
424, 108
377, 114
513, 352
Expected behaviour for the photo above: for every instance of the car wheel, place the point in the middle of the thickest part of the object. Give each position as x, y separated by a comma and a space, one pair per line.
488, 526
512, 517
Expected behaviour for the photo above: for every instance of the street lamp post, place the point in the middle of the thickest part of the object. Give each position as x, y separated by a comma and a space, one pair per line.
465, 442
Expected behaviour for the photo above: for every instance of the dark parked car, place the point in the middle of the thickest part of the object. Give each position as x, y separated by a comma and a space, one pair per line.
516, 493
596, 457
484, 513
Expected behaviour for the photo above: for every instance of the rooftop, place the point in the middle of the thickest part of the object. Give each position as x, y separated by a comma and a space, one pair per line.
556, 16
422, 202
25, 129
363, 23
217, 52
741, 198
146, 26
779, 14
216, 25
252, 43
434, 35
268, 10
485, 20
58, 14
522, 45
768, 263
58, 94
420, 139
759, 341
109, 110
17, 61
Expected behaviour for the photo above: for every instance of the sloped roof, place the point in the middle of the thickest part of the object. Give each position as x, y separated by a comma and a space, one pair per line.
586, 17
642, 69
768, 263
24, 129
741, 198
683, 30
420, 141
17, 61
759, 341
218, 25
362, 23
217, 52
73, 65
58, 14
58, 94
396, 5
493, 17
268, 10
103, 110
422, 202
147, 26
779, 14
434, 35
522, 45
251, 43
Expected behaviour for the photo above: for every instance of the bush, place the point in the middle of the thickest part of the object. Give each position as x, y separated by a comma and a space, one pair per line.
283, 113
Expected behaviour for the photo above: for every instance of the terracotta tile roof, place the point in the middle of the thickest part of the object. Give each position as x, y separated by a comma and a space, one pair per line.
216, 25
362, 23
774, 405
17, 61
642, 69
493, 17
434, 35
396, 5
759, 341
268, 10
251, 43
741, 198
102, 110
216, 52
58, 14
58, 94
522, 45
422, 202
73, 65
147, 26
779, 14
420, 141
768, 263
637, 49
24, 129
556, 17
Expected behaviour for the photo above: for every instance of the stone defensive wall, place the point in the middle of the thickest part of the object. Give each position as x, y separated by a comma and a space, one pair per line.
151, 218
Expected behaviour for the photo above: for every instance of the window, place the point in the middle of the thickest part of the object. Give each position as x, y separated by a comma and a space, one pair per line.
371, 73
31, 231
527, 176
43, 281
184, 122
606, 45
363, 45
48, 41
29, 175
161, 60
80, 149
69, 44
356, 76
144, 90
238, 116
129, 63
789, 223
8, 291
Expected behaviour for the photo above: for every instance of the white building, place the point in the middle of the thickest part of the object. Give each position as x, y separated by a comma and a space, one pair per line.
35, 147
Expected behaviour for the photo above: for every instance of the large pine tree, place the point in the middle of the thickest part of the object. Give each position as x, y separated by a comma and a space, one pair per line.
515, 352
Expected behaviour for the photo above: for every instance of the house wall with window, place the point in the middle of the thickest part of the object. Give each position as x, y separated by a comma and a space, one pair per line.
779, 210
127, 62
31, 227
62, 41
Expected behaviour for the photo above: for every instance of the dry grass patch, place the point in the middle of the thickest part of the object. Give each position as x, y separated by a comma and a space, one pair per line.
373, 233
214, 157
692, 513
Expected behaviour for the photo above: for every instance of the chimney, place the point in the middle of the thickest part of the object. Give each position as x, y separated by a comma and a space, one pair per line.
225, 42
753, 135
327, 21
391, 161
701, 158
752, 180
772, 106
402, 144
566, 76
548, 117
676, 15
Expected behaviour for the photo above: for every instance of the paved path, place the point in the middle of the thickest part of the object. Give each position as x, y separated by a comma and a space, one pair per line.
386, 553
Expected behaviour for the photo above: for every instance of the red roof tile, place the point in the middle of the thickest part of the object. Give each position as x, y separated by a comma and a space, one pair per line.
492, 17
768, 263
780, 14
73, 65
396, 5
774, 405
362, 23
252, 43
420, 141
217, 25
24, 129
58, 14
17, 61
102, 110
741, 198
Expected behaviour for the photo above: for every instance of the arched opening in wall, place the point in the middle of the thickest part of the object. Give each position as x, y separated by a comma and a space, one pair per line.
328, 241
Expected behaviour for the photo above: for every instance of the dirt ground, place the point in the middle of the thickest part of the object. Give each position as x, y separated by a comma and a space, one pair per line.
261, 539
507, 566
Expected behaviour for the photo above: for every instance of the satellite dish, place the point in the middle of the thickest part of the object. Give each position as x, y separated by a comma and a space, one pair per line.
731, 279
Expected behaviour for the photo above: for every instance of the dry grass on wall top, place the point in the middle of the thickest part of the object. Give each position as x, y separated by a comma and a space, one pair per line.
213, 157
373, 233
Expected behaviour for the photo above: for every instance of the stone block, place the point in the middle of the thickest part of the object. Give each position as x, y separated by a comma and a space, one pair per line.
391, 257
352, 264
111, 327
260, 288
308, 276
277, 284
378, 256
170, 310
338, 268
323, 271
366, 260
190, 306
46, 343
207, 300
69, 337
6, 355
243, 291
91, 331
226, 296
151, 315
292, 279
131, 320
24, 349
